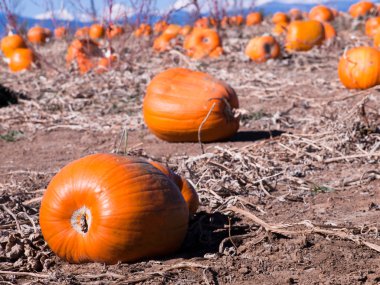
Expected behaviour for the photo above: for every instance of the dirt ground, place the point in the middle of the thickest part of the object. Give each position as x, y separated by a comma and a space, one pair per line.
293, 198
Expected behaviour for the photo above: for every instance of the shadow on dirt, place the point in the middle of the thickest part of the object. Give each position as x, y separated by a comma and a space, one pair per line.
207, 231
8, 96
246, 136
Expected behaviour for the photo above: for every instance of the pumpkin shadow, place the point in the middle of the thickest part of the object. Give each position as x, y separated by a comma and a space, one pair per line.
8, 96
207, 231
247, 136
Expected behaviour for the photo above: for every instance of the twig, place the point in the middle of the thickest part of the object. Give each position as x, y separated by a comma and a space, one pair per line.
201, 126
14, 217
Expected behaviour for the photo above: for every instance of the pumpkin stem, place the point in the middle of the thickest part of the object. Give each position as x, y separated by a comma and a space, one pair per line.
83, 223
81, 220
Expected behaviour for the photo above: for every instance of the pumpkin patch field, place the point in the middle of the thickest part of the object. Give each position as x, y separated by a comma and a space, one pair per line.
239, 150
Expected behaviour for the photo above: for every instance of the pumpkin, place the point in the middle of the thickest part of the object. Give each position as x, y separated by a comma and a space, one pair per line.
253, 18
114, 31
60, 33
236, 20
201, 43
376, 40
172, 31
372, 26
159, 27
202, 23
10, 43
162, 43
260, 49
21, 59
96, 31
321, 13
224, 23
37, 35
144, 30
330, 32
280, 28
361, 9
106, 63
187, 190
280, 17
108, 208
295, 14
83, 51
359, 68
304, 35
179, 100
82, 33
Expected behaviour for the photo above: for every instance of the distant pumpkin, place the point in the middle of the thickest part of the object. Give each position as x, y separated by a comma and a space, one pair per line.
21, 59
60, 33
178, 101
144, 30
260, 49
201, 43
295, 14
361, 9
82, 32
37, 35
329, 30
253, 18
114, 31
304, 35
321, 13
280, 17
372, 26
359, 68
10, 43
96, 31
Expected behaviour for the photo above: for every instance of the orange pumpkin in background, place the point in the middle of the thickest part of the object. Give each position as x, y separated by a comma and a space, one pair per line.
60, 33
201, 43
304, 35
82, 32
37, 35
280, 28
21, 59
361, 9
321, 13
280, 17
372, 26
106, 63
236, 20
96, 31
85, 52
185, 30
179, 102
253, 18
10, 43
260, 49
159, 27
144, 30
108, 208
330, 32
162, 43
114, 31
359, 68
202, 23
187, 190
295, 14
172, 31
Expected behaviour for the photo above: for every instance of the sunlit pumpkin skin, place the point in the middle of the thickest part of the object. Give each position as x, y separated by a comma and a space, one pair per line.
172, 31
185, 30
359, 68
114, 31
21, 59
144, 30
330, 32
108, 208
304, 35
280, 28
60, 33
187, 190
10, 43
236, 20
321, 13
376, 40
201, 43
260, 49
254, 18
361, 9
295, 14
372, 26
37, 35
178, 100
159, 27
82, 33
202, 23
96, 31
280, 17
225, 22
162, 43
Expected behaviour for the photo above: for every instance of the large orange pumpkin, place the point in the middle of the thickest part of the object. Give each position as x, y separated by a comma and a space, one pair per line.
253, 18
359, 68
37, 35
179, 100
187, 190
304, 35
321, 13
201, 43
96, 31
361, 9
108, 208
21, 59
372, 26
330, 32
10, 43
260, 49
